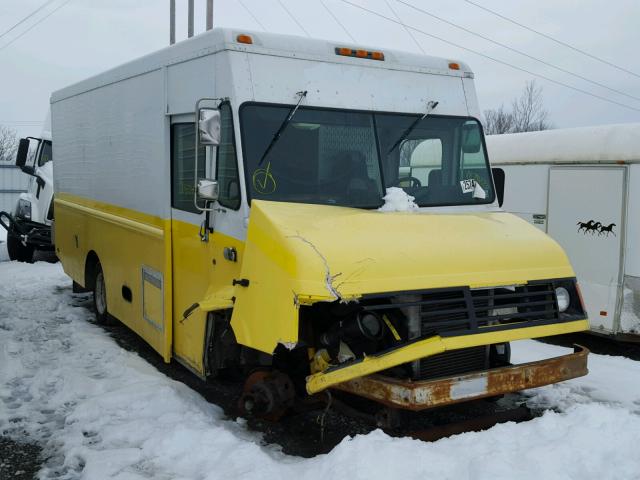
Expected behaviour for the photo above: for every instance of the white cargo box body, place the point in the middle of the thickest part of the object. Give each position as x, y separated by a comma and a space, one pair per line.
582, 187
142, 95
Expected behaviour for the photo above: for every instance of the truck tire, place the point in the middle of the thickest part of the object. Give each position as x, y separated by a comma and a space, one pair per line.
17, 251
100, 298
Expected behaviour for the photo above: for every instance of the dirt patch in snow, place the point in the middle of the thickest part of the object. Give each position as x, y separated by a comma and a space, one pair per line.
19, 460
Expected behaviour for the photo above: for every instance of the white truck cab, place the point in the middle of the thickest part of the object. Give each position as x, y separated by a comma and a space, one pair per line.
29, 225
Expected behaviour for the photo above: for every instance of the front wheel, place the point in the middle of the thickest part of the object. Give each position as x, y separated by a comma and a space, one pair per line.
18, 251
100, 298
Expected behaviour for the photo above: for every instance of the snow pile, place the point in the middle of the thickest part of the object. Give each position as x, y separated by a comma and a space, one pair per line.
611, 380
630, 311
397, 200
102, 412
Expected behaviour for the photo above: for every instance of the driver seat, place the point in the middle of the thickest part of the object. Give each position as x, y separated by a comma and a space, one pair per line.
360, 189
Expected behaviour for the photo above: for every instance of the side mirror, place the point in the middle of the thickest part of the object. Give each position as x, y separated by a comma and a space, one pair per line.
29, 170
23, 152
498, 181
208, 190
209, 126
471, 138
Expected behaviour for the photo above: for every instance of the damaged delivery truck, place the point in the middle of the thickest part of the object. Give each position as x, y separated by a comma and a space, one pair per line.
220, 197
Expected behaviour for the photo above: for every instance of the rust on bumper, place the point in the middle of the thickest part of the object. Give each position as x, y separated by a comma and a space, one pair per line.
423, 394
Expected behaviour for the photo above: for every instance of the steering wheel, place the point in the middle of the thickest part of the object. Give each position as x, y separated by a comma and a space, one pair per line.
413, 181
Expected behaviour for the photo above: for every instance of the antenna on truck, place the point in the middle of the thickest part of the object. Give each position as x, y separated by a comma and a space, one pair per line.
190, 15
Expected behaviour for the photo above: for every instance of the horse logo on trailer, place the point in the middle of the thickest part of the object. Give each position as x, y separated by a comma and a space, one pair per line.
608, 229
592, 227
588, 227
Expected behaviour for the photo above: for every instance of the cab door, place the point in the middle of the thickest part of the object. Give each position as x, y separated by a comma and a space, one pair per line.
203, 266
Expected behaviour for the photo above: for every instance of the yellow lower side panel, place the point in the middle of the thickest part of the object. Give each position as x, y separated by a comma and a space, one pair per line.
432, 346
163, 263
132, 250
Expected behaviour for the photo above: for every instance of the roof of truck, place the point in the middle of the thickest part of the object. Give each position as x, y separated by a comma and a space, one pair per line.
220, 39
599, 144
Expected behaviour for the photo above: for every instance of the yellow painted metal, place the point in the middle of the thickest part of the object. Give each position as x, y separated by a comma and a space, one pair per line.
432, 346
295, 255
391, 328
124, 241
299, 254
201, 275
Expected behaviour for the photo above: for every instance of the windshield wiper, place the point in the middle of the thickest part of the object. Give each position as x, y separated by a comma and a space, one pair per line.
431, 106
284, 124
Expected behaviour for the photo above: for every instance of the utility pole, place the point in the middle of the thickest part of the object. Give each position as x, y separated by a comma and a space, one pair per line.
209, 14
190, 25
190, 20
172, 22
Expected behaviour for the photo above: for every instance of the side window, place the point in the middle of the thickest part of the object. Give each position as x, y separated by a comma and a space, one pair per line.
34, 144
45, 154
226, 163
182, 162
473, 164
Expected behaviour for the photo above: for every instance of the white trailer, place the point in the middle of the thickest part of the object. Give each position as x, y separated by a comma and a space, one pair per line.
582, 187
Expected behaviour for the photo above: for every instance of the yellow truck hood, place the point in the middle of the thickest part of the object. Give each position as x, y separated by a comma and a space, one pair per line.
299, 254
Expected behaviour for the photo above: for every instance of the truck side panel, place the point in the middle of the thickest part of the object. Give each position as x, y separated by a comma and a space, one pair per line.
112, 188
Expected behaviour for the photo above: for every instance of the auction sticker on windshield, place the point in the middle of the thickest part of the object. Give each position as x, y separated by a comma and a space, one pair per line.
468, 186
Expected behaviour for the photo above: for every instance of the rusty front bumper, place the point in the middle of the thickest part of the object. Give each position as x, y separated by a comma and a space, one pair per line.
420, 395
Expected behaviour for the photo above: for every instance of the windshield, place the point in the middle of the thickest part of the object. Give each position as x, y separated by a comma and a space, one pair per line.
348, 158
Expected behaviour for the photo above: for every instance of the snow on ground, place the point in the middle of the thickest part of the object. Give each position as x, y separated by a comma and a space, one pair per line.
102, 412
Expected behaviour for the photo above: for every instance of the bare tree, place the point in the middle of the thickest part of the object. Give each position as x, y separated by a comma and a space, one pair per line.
498, 121
8, 144
527, 114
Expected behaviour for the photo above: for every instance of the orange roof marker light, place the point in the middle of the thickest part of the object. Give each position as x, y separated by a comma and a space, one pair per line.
368, 54
454, 66
242, 38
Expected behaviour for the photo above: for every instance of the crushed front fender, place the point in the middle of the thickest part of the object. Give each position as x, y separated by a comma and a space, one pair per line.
432, 346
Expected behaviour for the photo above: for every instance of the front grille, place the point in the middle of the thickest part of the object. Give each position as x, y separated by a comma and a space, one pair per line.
449, 312
462, 310
454, 362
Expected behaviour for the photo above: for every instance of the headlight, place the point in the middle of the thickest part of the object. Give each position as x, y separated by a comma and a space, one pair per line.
23, 209
563, 298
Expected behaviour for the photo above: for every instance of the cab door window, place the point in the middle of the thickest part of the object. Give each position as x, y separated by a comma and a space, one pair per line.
226, 162
183, 149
